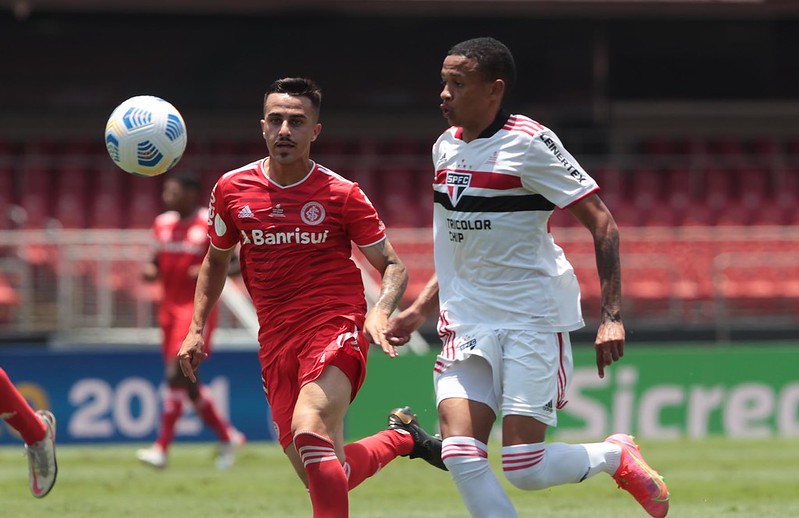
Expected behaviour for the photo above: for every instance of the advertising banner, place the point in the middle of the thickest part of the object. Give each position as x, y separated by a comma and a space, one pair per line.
663, 392
100, 396
657, 391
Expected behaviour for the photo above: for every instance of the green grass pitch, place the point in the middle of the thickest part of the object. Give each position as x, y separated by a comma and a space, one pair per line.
707, 478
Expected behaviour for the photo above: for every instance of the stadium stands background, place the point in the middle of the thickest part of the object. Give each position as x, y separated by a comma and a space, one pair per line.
687, 113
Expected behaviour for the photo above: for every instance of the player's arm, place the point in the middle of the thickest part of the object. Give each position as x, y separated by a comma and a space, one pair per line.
210, 281
150, 270
598, 220
410, 319
385, 260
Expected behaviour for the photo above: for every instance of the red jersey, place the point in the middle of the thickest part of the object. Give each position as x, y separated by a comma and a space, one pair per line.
182, 243
296, 246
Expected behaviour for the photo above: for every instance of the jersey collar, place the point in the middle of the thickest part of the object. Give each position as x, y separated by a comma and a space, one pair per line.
262, 166
499, 121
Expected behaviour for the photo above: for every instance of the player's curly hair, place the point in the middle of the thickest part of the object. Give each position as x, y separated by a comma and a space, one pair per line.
297, 87
494, 59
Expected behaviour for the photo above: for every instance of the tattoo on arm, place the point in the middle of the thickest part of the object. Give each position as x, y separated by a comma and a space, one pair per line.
609, 270
395, 280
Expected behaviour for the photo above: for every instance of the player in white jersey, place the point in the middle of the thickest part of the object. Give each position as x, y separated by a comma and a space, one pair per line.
507, 297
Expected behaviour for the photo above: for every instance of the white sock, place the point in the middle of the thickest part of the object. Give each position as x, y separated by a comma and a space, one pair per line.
540, 465
466, 459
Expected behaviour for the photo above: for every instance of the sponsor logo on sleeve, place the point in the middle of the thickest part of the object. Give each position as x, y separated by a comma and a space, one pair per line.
211, 208
219, 226
573, 171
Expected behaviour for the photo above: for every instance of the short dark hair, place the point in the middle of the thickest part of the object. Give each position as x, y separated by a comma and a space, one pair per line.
297, 87
494, 59
188, 181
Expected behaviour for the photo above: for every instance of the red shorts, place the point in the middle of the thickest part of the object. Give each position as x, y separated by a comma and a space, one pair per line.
175, 324
337, 342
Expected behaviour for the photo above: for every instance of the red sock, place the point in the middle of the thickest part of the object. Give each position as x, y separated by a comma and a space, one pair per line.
327, 481
173, 409
369, 455
206, 409
18, 413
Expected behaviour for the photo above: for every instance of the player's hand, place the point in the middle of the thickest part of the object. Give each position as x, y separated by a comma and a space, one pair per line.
374, 329
149, 272
402, 326
191, 353
609, 345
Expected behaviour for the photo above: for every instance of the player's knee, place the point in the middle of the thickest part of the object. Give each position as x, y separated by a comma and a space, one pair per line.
529, 478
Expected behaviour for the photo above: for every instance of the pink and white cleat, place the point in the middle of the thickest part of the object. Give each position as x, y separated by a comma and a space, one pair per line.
638, 478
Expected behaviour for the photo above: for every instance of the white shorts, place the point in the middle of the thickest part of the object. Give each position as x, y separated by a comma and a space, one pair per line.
517, 372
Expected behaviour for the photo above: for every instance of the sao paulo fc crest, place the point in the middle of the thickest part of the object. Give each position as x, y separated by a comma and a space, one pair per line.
456, 185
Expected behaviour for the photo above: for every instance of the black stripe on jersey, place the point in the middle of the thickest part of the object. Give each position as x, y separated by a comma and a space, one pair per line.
528, 202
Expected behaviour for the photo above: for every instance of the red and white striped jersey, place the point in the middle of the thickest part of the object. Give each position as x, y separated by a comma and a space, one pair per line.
496, 261
296, 245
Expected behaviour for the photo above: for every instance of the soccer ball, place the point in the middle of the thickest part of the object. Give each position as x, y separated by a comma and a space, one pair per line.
145, 136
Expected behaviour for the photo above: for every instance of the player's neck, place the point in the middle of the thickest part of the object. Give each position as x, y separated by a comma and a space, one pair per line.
287, 174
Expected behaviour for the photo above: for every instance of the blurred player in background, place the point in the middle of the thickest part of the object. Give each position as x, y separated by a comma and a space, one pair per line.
296, 221
37, 429
181, 236
507, 297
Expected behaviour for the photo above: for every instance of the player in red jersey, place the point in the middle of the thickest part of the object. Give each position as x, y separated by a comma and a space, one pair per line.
37, 429
182, 240
296, 221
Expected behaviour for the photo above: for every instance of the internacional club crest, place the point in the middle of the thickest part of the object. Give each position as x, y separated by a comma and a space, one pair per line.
312, 213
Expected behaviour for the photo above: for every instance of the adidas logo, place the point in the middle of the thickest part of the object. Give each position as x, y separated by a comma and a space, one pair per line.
492, 160
548, 407
245, 212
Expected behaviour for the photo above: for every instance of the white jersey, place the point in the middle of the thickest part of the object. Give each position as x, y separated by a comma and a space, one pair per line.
496, 261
